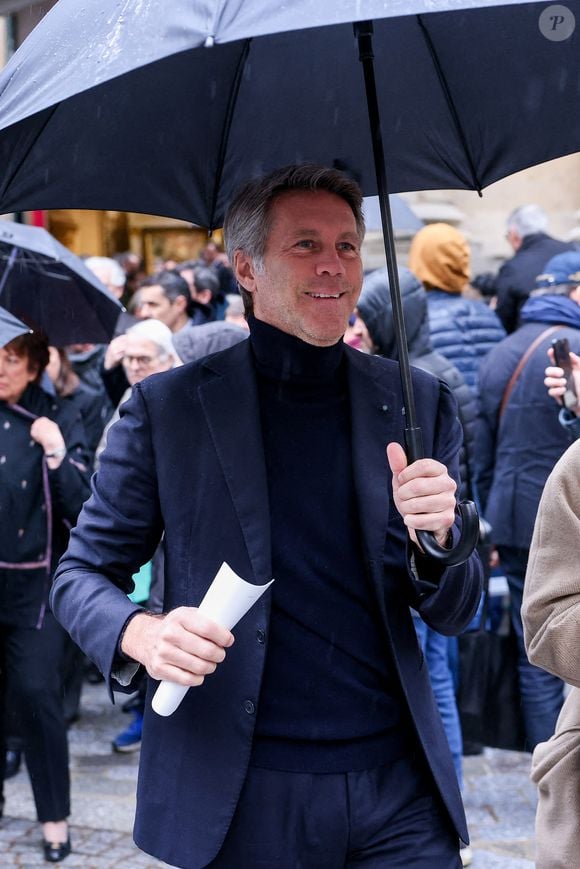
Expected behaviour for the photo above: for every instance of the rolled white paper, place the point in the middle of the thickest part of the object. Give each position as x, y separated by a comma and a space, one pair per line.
226, 601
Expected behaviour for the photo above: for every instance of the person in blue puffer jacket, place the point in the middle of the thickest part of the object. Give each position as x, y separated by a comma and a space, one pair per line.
462, 329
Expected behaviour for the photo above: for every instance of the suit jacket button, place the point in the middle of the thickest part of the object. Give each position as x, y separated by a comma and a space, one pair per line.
249, 707
260, 636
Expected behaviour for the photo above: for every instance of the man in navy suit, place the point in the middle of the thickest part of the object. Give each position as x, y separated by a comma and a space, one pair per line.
313, 740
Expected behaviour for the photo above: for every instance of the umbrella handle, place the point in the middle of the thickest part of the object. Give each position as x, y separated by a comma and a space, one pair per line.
464, 546
465, 509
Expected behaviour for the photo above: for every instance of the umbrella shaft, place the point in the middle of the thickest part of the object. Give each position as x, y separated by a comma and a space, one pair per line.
8, 268
364, 34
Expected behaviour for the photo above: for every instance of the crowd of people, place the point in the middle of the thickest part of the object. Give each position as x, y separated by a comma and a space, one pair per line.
61, 407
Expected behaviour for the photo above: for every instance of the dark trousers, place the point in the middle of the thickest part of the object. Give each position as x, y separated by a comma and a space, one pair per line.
386, 817
542, 694
31, 675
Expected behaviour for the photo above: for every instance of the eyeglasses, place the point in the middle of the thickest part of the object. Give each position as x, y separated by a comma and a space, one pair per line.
139, 361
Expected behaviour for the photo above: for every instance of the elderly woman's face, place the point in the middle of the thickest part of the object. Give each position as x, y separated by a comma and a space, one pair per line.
15, 375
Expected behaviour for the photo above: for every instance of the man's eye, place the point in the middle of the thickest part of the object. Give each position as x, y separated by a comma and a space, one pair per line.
305, 243
348, 246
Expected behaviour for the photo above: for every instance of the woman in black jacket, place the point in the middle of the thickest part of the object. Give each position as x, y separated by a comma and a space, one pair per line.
44, 480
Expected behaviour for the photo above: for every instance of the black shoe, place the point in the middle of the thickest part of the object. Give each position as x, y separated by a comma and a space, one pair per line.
13, 761
54, 852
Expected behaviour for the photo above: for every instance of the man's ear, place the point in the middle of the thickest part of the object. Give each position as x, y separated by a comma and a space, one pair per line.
243, 267
181, 302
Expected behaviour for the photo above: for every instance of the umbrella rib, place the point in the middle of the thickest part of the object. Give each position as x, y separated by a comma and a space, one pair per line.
227, 127
27, 151
451, 105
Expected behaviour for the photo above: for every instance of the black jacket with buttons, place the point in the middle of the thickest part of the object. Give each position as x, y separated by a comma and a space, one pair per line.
38, 506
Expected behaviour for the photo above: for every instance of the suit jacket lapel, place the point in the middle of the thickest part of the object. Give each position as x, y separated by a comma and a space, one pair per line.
375, 412
230, 403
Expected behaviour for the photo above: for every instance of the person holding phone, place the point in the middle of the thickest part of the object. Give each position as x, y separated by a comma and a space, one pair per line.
562, 380
518, 441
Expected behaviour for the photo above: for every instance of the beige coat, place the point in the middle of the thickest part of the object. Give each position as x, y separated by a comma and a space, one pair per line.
551, 616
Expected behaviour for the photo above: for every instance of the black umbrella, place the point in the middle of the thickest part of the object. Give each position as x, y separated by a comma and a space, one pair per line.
167, 107
10, 328
44, 282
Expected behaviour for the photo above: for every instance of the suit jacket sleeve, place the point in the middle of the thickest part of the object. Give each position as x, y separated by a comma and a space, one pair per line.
551, 606
447, 599
117, 532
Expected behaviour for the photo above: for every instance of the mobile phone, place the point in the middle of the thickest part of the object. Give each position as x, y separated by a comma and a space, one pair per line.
561, 349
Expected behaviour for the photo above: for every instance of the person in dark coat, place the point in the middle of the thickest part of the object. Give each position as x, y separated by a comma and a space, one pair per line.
270, 456
518, 441
68, 386
204, 286
533, 247
375, 311
44, 480
462, 329
375, 327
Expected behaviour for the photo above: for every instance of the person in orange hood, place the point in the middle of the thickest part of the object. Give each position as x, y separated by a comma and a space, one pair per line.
462, 329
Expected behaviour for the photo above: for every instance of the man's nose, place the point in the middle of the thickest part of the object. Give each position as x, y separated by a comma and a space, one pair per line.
329, 262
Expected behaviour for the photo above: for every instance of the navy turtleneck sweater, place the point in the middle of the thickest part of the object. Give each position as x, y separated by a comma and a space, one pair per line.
329, 702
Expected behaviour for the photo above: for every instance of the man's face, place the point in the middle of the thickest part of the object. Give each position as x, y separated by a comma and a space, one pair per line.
312, 272
142, 358
154, 304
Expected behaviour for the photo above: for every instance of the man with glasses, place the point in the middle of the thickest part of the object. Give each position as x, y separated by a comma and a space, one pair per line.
147, 349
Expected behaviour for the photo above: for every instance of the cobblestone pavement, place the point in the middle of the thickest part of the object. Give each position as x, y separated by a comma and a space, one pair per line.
499, 798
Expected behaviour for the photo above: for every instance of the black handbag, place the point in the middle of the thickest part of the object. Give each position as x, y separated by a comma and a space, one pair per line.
488, 696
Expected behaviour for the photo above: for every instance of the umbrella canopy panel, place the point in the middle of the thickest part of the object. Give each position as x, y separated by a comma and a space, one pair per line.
466, 97
10, 328
44, 282
69, 309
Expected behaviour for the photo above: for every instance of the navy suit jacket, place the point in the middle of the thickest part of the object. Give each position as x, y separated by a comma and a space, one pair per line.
186, 458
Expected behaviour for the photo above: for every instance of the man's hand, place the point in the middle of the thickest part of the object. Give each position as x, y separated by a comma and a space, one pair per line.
115, 352
424, 494
555, 380
183, 646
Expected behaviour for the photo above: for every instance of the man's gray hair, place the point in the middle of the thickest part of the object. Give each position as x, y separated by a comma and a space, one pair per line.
159, 334
528, 220
107, 267
247, 223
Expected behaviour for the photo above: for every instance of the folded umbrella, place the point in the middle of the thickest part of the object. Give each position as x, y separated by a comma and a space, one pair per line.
44, 282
